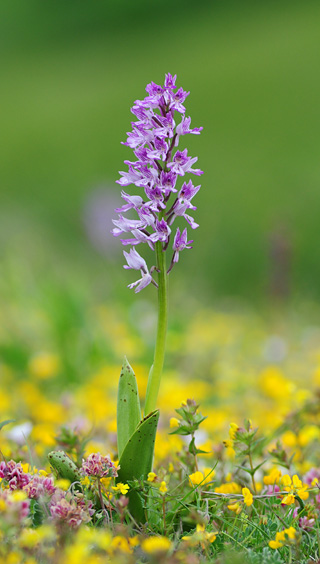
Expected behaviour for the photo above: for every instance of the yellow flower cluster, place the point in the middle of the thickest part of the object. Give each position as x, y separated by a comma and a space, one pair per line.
228, 488
202, 478
121, 488
283, 537
247, 496
273, 477
294, 488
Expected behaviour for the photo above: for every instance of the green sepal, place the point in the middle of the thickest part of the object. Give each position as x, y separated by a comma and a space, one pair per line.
136, 461
64, 466
194, 450
128, 407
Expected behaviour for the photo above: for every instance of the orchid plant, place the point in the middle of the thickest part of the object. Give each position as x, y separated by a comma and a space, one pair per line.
154, 139
155, 136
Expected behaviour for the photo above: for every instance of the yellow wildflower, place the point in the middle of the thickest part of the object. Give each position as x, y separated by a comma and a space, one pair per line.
233, 430
152, 476
201, 536
85, 481
282, 537
230, 487
235, 507
277, 543
291, 532
289, 439
163, 488
308, 434
196, 478
273, 477
134, 541
228, 443
288, 499
293, 487
122, 488
14, 558
18, 495
208, 474
247, 495
26, 467
156, 544
121, 543
231, 453
174, 423
105, 482
63, 484
44, 365
29, 538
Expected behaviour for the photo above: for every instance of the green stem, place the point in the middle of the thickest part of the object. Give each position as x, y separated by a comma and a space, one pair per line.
156, 369
252, 475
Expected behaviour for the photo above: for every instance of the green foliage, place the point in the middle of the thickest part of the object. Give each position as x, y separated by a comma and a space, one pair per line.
136, 460
267, 556
128, 406
64, 466
72, 443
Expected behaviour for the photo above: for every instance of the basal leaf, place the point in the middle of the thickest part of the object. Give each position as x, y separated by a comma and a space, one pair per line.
136, 460
128, 408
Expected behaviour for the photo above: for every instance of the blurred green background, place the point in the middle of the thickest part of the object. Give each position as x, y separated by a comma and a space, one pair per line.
70, 72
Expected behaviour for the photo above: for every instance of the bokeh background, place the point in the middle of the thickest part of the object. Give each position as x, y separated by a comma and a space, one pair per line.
70, 73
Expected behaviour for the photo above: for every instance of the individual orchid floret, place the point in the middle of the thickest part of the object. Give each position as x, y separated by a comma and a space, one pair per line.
167, 183
177, 100
139, 237
180, 243
124, 225
130, 177
132, 202
136, 262
162, 231
184, 127
170, 81
183, 203
156, 196
181, 163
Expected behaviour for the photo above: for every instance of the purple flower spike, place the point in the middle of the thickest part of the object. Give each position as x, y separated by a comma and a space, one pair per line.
160, 122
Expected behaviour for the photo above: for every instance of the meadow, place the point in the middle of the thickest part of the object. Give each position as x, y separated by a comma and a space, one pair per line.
61, 357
